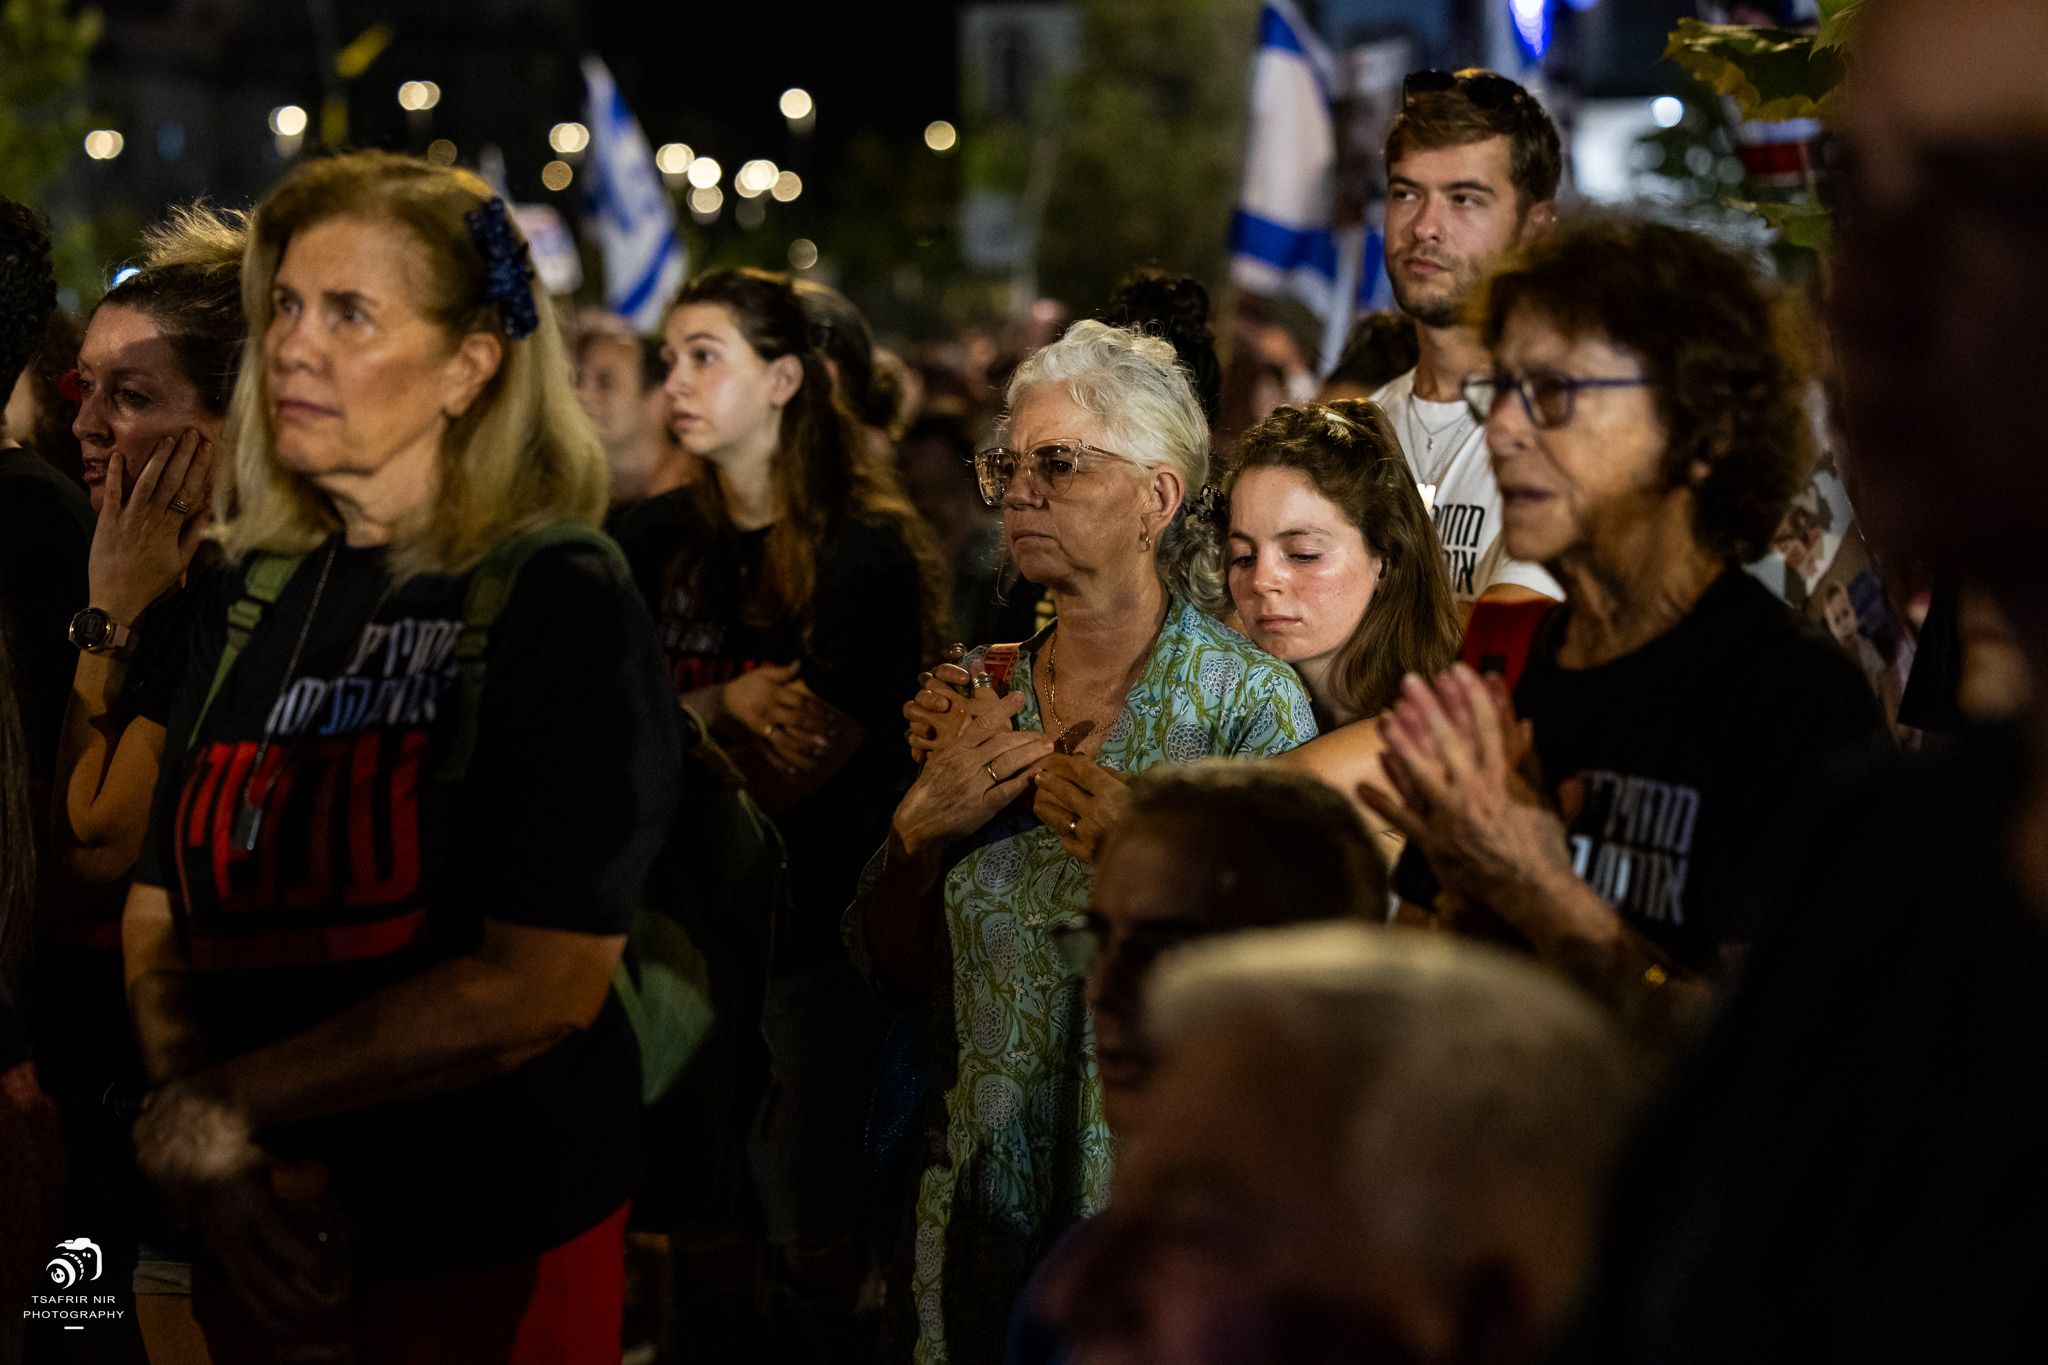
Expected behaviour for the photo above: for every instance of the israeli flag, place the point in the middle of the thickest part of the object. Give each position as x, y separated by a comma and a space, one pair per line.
1280, 238
636, 222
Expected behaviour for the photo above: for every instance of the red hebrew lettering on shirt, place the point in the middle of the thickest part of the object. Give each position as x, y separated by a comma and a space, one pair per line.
335, 873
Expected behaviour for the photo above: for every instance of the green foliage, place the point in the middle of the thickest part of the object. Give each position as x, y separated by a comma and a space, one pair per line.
1152, 138
42, 61
1772, 73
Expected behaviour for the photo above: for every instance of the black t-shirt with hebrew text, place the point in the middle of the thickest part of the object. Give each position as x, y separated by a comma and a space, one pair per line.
1677, 765
368, 870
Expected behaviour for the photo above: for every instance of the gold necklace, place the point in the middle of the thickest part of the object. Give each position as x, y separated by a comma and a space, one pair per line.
1052, 687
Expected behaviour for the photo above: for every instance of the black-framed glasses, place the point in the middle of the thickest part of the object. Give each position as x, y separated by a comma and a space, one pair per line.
1485, 89
1549, 397
1052, 465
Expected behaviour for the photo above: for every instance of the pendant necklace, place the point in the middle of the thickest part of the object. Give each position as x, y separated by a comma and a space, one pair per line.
248, 821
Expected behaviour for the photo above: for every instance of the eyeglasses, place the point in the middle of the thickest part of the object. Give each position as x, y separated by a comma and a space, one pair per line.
1548, 397
1053, 466
1484, 89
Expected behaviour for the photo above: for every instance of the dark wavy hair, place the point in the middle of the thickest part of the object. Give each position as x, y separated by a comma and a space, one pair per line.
841, 331
1717, 345
28, 287
190, 285
820, 473
1175, 309
1349, 454
1436, 119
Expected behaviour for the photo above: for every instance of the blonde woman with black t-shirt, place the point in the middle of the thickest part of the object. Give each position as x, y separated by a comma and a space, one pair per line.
374, 997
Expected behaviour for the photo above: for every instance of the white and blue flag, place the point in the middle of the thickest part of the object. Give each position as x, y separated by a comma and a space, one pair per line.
1280, 237
636, 221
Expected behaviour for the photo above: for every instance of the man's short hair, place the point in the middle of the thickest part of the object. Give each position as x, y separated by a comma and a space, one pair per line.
1434, 119
28, 288
1469, 1080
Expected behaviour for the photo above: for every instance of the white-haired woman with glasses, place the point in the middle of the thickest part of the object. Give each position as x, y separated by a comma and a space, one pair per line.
1104, 449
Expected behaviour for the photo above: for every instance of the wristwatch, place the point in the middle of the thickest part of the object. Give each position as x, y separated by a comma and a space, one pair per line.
95, 632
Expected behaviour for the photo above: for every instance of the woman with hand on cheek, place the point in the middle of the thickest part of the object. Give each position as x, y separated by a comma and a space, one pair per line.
155, 375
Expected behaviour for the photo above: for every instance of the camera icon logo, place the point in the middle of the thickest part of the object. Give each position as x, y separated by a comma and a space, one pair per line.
76, 1260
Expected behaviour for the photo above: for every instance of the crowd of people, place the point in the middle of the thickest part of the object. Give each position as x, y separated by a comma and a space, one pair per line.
526, 842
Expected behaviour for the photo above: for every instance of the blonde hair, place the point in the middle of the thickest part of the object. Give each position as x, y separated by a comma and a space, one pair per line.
522, 456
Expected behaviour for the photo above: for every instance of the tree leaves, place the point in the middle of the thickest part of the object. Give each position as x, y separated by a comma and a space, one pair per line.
42, 60
1772, 73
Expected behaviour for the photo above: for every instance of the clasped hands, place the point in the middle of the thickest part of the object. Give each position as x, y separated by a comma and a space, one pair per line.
1466, 792
965, 741
200, 1151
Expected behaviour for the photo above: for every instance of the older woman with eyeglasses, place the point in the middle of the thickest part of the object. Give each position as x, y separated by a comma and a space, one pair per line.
1646, 427
1105, 446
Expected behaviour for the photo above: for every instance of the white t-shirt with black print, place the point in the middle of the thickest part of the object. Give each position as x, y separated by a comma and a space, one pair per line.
1446, 450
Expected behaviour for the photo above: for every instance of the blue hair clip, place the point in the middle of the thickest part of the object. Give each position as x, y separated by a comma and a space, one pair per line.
508, 271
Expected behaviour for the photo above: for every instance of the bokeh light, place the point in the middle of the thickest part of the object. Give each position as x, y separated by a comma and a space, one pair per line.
803, 254
704, 172
940, 135
440, 152
1667, 111
796, 104
418, 95
674, 158
787, 186
556, 175
288, 120
104, 144
568, 138
706, 199
755, 178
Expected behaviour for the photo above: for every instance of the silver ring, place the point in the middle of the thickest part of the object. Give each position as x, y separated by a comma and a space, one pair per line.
183, 509
990, 768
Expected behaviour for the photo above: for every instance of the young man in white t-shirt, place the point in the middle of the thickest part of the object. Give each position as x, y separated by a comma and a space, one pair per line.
1472, 169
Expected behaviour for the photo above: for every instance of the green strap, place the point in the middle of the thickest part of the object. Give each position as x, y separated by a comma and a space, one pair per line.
490, 588
263, 582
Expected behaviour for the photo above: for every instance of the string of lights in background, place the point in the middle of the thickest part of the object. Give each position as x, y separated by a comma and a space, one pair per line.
697, 177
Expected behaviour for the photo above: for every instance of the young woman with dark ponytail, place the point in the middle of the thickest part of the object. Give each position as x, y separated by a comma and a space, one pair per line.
798, 593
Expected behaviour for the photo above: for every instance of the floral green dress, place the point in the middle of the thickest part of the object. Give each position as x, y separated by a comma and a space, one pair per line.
1027, 1154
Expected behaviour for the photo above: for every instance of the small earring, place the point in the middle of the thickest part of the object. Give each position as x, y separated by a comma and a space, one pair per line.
1144, 539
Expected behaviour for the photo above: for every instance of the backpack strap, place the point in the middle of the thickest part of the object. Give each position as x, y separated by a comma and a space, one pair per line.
263, 582
490, 588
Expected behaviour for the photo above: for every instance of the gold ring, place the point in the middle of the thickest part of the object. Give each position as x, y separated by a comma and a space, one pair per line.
990, 768
183, 509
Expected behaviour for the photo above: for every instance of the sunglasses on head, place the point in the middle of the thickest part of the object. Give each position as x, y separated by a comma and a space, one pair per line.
1484, 89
